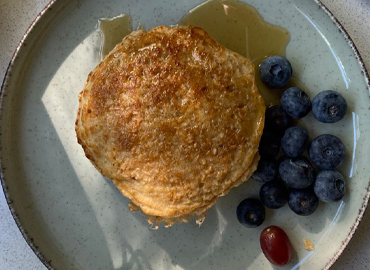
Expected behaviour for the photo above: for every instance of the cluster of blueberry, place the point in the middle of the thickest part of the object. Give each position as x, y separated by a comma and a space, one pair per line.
292, 178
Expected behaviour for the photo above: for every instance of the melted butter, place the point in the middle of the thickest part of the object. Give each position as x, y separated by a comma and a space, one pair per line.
237, 26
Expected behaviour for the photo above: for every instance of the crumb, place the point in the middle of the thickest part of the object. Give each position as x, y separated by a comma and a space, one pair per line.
308, 245
133, 207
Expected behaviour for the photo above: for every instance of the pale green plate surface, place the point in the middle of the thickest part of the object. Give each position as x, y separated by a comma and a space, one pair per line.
75, 219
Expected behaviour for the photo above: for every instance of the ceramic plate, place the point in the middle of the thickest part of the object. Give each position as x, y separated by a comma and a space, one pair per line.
73, 218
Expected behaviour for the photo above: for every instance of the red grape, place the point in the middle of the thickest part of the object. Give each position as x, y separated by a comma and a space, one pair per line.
276, 245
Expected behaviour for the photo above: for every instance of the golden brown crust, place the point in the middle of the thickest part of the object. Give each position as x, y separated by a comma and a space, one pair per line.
173, 118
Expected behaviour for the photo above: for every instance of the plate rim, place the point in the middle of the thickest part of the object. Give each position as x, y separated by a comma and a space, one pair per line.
19, 47
9, 201
365, 74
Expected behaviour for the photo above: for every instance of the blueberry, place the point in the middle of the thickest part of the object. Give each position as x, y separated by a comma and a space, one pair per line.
276, 119
294, 141
329, 106
295, 102
303, 201
250, 212
297, 172
269, 145
267, 170
327, 151
329, 186
275, 71
274, 194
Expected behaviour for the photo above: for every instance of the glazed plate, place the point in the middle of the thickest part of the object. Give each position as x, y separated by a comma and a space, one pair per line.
73, 218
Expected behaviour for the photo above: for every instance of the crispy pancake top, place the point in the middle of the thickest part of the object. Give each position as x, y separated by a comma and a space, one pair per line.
173, 118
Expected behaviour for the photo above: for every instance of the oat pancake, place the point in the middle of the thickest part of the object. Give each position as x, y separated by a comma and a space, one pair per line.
174, 119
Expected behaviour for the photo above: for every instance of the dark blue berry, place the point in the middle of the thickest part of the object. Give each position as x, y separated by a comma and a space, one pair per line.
267, 170
274, 194
269, 145
294, 141
329, 106
295, 102
303, 201
327, 151
276, 119
250, 212
329, 186
275, 71
297, 172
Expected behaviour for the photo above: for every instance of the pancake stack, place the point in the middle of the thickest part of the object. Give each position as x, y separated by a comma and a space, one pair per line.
174, 119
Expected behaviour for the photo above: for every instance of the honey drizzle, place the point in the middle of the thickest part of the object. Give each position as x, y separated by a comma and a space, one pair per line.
240, 28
